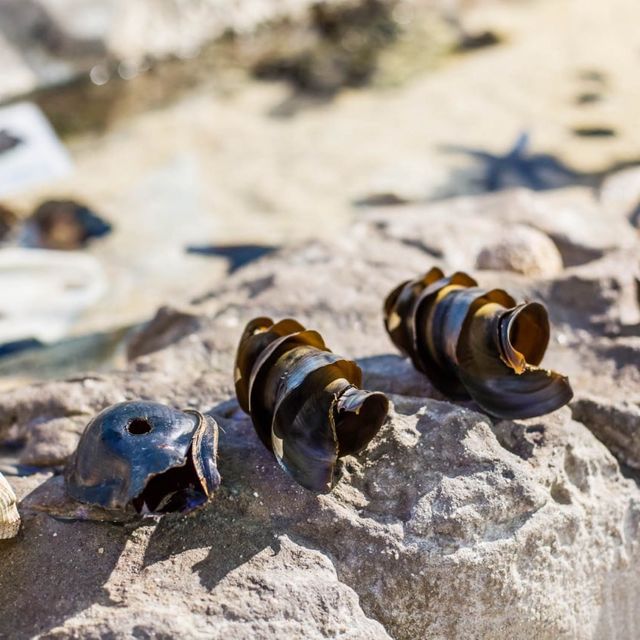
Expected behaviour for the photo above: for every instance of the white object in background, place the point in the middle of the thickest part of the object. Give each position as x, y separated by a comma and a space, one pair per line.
38, 157
44, 292
18, 77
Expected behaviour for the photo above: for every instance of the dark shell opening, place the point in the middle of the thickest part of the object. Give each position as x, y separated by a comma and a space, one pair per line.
529, 332
177, 490
358, 417
139, 426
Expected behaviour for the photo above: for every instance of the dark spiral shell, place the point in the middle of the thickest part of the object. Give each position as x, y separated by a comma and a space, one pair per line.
475, 343
304, 401
145, 457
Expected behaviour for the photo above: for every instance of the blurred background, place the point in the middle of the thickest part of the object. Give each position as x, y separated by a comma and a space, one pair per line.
148, 148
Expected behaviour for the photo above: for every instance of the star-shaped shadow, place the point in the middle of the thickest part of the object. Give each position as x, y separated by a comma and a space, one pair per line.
519, 167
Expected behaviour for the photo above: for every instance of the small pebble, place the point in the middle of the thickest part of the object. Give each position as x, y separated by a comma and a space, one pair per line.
521, 249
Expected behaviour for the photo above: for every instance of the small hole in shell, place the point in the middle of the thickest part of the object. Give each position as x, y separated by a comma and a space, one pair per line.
139, 426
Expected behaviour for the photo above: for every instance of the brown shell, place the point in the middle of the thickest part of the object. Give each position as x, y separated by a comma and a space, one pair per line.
476, 343
304, 401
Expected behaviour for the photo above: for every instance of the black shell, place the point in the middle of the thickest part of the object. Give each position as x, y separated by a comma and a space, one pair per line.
304, 401
474, 343
145, 457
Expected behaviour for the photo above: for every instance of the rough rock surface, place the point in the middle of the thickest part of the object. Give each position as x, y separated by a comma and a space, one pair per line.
450, 525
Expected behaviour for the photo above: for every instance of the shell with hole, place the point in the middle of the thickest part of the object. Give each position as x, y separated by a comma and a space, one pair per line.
9, 516
475, 343
145, 458
304, 401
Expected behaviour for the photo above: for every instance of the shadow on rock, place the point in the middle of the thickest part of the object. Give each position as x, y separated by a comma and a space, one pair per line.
256, 503
232, 536
53, 570
518, 166
392, 373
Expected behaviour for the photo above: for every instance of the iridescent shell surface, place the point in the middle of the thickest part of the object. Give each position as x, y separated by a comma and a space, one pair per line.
145, 457
476, 343
304, 400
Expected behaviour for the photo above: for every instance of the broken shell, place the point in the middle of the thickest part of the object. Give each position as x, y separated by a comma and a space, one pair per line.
145, 457
474, 343
304, 401
9, 516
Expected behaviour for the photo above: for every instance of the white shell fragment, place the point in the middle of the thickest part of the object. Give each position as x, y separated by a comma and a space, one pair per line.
9, 516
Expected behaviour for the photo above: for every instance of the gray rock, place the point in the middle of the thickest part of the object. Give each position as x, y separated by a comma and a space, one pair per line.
616, 424
166, 327
450, 524
572, 218
48, 419
294, 593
